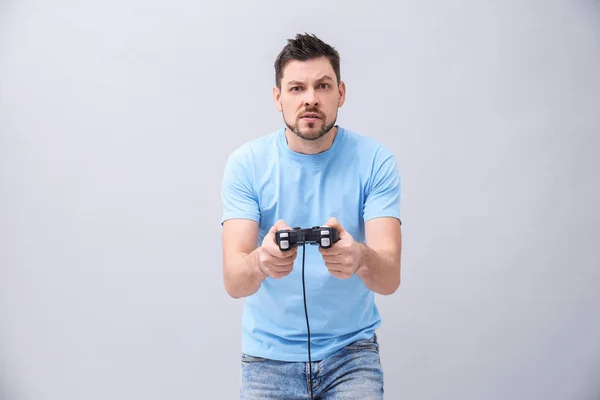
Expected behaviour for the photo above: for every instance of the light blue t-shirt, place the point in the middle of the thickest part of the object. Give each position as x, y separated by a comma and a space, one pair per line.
355, 180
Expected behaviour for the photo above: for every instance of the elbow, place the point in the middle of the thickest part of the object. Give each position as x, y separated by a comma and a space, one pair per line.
233, 293
396, 286
392, 285
229, 286
390, 289
232, 290
235, 289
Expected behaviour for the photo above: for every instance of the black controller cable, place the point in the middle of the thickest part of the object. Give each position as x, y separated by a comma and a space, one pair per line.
307, 324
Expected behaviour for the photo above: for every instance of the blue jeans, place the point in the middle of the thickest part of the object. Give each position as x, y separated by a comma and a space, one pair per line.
354, 372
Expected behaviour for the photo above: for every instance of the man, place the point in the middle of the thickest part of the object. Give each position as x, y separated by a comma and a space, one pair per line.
312, 172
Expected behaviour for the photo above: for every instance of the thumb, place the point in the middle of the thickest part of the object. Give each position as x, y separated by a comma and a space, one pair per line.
279, 225
334, 223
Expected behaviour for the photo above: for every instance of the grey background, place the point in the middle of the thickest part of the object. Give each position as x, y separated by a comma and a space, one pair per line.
110, 275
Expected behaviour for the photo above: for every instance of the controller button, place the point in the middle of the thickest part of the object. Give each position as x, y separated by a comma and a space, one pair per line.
324, 233
325, 242
283, 235
284, 244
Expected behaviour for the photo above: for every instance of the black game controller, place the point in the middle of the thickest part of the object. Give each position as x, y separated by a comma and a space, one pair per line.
323, 236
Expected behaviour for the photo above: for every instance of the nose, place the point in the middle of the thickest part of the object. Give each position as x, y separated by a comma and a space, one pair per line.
311, 98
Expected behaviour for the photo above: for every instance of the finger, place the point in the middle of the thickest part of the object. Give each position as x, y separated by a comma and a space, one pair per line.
278, 275
274, 250
340, 274
333, 266
335, 269
278, 261
274, 272
279, 226
334, 223
279, 268
331, 251
332, 259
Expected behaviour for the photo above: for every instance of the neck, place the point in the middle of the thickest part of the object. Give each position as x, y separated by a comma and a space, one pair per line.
303, 146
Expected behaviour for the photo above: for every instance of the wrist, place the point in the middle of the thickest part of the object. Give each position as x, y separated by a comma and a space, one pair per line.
362, 257
253, 262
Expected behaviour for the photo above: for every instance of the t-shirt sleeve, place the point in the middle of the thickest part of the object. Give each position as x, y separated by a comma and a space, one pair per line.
237, 194
383, 194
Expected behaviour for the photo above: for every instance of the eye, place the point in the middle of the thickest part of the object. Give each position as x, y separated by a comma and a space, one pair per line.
295, 88
324, 85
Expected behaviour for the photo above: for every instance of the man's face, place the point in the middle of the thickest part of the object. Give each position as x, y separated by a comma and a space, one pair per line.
309, 97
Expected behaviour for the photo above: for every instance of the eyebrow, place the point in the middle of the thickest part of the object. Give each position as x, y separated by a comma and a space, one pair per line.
321, 79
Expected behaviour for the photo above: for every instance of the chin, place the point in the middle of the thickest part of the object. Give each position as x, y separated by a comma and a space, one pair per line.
313, 132
310, 130
311, 136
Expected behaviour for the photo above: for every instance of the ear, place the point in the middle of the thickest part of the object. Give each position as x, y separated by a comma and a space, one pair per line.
342, 90
277, 98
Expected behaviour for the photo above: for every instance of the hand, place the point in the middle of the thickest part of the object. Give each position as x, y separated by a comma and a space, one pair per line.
271, 260
344, 257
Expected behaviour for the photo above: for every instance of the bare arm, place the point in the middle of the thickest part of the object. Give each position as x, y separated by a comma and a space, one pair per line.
245, 266
241, 273
380, 258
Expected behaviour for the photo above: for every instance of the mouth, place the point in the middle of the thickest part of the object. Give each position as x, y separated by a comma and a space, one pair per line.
311, 116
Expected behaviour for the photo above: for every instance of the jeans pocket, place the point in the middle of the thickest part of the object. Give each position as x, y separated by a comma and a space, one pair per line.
364, 344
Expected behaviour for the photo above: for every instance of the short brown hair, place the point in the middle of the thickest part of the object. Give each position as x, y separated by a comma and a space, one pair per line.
305, 47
